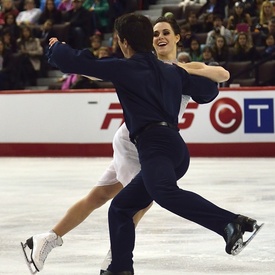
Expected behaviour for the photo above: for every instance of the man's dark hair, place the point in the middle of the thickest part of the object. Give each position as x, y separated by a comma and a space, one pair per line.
137, 30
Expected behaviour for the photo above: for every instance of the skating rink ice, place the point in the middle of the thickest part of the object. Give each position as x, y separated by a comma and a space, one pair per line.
36, 192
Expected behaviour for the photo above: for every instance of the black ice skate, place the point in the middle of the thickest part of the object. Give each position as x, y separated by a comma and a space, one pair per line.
37, 248
234, 232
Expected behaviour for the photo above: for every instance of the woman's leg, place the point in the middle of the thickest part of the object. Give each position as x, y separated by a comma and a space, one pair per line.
75, 215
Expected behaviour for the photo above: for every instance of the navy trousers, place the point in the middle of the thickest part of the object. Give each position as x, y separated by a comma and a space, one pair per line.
164, 158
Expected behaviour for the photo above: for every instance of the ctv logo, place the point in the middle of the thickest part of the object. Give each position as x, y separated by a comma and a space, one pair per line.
226, 115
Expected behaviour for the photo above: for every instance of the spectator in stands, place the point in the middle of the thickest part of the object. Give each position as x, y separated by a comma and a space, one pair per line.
244, 49
20, 4
269, 51
207, 55
238, 17
192, 20
80, 25
185, 3
7, 7
214, 7
207, 25
220, 50
218, 29
184, 57
44, 33
195, 50
11, 25
266, 13
249, 7
50, 12
43, 4
9, 40
96, 43
65, 5
31, 52
99, 10
264, 31
257, 8
186, 37
30, 15
5, 67
103, 52
270, 28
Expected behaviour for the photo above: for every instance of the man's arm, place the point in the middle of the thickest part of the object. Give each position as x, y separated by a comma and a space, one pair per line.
215, 73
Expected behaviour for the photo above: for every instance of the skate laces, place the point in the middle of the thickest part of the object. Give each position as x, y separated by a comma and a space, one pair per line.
48, 245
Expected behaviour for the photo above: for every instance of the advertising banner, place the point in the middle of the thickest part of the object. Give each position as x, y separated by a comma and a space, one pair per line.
239, 122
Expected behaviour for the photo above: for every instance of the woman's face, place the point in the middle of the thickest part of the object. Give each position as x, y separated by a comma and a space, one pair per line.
26, 33
7, 38
10, 19
239, 10
50, 5
270, 40
267, 9
96, 43
207, 54
194, 45
220, 42
242, 39
7, 4
165, 41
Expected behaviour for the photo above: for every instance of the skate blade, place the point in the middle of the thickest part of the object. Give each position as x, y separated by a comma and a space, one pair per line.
28, 261
240, 244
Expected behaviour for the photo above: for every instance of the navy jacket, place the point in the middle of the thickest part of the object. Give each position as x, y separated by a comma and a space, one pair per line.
148, 89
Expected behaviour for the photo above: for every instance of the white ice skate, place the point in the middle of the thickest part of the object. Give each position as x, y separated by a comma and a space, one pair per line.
107, 261
37, 248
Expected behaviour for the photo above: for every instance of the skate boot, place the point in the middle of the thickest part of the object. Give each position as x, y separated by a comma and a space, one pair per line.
107, 261
234, 232
117, 273
40, 246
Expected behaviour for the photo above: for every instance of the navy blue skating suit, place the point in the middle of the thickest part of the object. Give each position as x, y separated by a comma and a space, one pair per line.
150, 93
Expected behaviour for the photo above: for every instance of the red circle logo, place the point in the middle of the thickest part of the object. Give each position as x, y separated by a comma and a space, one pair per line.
226, 115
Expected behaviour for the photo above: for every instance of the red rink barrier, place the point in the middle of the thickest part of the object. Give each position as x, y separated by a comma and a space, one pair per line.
76, 123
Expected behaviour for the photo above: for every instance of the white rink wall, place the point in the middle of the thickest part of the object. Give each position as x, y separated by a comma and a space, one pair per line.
237, 117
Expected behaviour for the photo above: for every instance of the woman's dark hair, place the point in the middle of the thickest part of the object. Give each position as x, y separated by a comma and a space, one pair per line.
207, 48
137, 30
25, 27
170, 20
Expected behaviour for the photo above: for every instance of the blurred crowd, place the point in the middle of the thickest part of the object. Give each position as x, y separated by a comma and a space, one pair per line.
211, 31
224, 31
26, 25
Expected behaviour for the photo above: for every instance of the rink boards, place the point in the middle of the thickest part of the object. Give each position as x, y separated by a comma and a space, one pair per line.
239, 122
